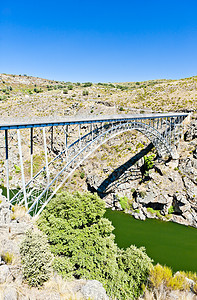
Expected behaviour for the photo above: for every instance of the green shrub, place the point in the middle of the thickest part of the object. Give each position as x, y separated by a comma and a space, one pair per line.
7, 257
82, 175
162, 277
159, 275
142, 194
178, 282
38, 90
158, 214
133, 270
36, 258
123, 202
83, 245
3, 98
190, 275
139, 145
87, 84
148, 162
151, 210
85, 93
17, 169
171, 209
148, 165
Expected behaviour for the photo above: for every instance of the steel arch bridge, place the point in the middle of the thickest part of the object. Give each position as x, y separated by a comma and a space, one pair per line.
77, 139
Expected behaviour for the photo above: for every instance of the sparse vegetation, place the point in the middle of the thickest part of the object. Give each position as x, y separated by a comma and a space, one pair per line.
162, 280
7, 257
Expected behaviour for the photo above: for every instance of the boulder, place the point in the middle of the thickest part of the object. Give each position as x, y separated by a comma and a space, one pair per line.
191, 133
10, 293
180, 220
4, 273
147, 213
189, 166
4, 212
93, 289
135, 205
191, 190
180, 204
139, 215
188, 216
93, 182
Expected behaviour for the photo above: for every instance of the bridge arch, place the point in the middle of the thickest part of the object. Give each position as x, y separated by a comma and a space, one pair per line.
79, 151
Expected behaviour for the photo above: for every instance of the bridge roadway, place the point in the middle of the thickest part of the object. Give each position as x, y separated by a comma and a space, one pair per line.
44, 122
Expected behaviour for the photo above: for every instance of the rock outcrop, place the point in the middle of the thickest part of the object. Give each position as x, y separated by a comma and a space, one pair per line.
169, 192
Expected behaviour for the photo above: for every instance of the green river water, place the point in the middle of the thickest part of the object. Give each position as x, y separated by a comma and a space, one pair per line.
166, 243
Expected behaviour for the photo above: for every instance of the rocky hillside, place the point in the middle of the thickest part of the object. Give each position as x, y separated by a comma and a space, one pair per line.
13, 225
26, 96
115, 170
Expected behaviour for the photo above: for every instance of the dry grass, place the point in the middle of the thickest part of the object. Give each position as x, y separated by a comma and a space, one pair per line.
19, 212
64, 288
163, 295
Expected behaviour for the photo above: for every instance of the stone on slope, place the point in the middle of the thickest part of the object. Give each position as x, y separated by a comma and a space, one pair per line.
93, 289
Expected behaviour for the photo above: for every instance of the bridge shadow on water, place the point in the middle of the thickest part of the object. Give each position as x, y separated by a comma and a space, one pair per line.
118, 173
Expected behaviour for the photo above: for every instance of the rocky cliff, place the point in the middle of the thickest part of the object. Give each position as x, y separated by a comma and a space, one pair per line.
168, 193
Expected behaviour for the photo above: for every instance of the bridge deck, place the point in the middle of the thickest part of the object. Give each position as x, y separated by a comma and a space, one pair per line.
44, 122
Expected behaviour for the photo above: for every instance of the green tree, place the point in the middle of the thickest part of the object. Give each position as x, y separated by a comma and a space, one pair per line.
87, 84
83, 244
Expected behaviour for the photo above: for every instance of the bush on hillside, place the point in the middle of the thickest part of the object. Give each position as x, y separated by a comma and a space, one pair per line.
85, 93
162, 278
87, 84
148, 165
36, 258
83, 245
133, 270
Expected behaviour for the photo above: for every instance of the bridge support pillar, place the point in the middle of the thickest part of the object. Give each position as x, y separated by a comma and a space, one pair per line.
46, 158
66, 141
51, 138
31, 150
7, 164
22, 170
79, 128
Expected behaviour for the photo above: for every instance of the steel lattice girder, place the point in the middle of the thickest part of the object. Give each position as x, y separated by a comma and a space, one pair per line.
37, 197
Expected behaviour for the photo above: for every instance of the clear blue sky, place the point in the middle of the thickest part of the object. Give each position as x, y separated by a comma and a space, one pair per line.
106, 41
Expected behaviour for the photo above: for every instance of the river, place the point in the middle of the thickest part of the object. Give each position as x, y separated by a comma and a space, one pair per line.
166, 243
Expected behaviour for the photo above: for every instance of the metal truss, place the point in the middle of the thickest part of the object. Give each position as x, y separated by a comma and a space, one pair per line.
162, 130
